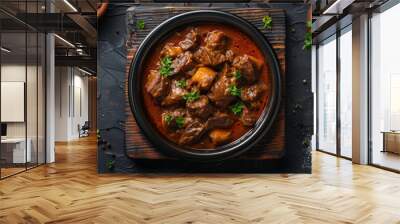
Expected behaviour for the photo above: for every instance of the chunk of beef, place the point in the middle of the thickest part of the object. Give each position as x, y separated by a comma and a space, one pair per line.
184, 62
191, 40
204, 78
248, 66
200, 108
229, 56
192, 133
157, 85
220, 136
171, 50
219, 120
216, 40
219, 93
248, 117
175, 95
209, 57
253, 92
169, 118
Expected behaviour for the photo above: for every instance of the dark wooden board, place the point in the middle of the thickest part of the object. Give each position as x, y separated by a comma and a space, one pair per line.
273, 144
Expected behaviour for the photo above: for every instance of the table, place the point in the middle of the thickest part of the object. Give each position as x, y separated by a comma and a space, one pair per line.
13, 150
391, 141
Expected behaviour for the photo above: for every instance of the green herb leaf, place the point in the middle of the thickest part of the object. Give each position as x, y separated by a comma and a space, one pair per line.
237, 108
181, 83
166, 66
140, 24
307, 41
267, 20
309, 24
237, 74
168, 118
234, 90
180, 121
192, 96
110, 164
308, 37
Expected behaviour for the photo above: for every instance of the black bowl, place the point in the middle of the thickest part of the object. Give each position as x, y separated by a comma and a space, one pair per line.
244, 143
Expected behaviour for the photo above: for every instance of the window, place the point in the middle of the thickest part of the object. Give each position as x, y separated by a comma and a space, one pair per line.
334, 109
385, 89
346, 92
327, 95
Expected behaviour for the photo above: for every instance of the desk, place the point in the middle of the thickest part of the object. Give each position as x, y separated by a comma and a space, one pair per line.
391, 141
13, 150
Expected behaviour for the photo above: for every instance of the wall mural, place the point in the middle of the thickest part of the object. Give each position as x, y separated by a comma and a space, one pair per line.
189, 88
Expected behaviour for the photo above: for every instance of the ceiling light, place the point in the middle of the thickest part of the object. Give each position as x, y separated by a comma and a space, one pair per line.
5, 50
65, 41
84, 71
70, 5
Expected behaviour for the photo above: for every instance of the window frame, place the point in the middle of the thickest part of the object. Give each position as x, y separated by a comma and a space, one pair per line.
337, 32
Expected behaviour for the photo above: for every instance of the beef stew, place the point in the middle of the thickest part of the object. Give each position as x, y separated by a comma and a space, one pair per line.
205, 86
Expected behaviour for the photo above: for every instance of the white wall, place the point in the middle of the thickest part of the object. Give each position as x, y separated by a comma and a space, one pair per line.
62, 82
71, 102
14, 73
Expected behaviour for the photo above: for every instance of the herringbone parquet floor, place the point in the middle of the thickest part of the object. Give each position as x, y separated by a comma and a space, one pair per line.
70, 191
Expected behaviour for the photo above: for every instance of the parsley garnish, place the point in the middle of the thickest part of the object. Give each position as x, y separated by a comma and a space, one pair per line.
309, 24
267, 20
237, 108
140, 24
307, 41
180, 121
234, 90
110, 164
166, 66
181, 83
237, 74
192, 96
308, 37
168, 118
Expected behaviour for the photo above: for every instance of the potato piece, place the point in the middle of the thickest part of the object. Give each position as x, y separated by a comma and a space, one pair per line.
204, 77
171, 50
220, 136
257, 62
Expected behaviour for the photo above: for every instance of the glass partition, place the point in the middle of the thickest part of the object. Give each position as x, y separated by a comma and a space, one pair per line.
41, 107
14, 153
31, 99
22, 101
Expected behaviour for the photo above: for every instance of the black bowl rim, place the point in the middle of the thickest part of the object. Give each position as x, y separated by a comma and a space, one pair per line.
245, 142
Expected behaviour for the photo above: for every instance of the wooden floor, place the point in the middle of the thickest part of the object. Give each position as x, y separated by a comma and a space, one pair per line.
70, 191
386, 159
